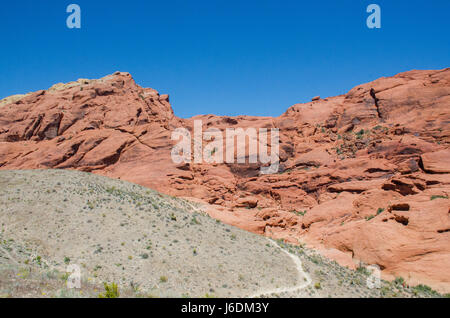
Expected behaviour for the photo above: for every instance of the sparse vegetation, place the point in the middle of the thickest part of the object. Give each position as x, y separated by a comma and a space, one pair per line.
165, 241
399, 281
434, 197
424, 289
194, 220
163, 279
360, 134
362, 270
300, 213
111, 291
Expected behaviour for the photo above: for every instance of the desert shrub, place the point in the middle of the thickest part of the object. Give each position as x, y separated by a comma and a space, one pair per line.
144, 256
399, 281
360, 134
111, 291
163, 279
424, 289
378, 127
363, 270
194, 221
434, 197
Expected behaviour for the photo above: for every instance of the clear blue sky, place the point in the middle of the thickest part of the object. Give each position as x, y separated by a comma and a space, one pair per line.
226, 57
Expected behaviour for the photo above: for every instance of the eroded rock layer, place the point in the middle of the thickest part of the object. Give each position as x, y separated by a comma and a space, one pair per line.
364, 176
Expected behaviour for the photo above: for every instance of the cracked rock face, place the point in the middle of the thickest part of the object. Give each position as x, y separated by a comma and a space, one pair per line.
348, 164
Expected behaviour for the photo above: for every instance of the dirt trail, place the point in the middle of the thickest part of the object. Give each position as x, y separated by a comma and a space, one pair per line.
303, 277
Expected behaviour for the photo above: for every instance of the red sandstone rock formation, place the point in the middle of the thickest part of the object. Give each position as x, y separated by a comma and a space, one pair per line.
363, 176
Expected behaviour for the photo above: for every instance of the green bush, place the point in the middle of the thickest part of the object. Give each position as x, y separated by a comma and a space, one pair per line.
424, 289
111, 291
434, 197
163, 279
399, 281
363, 270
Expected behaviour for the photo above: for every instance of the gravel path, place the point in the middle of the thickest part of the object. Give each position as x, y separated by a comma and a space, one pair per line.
303, 277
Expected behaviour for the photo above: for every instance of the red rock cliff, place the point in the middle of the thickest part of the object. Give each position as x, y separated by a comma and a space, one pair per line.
366, 173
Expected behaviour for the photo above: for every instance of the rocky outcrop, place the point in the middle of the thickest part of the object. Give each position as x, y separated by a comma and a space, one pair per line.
436, 162
365, 174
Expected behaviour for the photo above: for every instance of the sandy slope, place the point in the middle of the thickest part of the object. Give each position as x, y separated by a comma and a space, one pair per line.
152, 244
